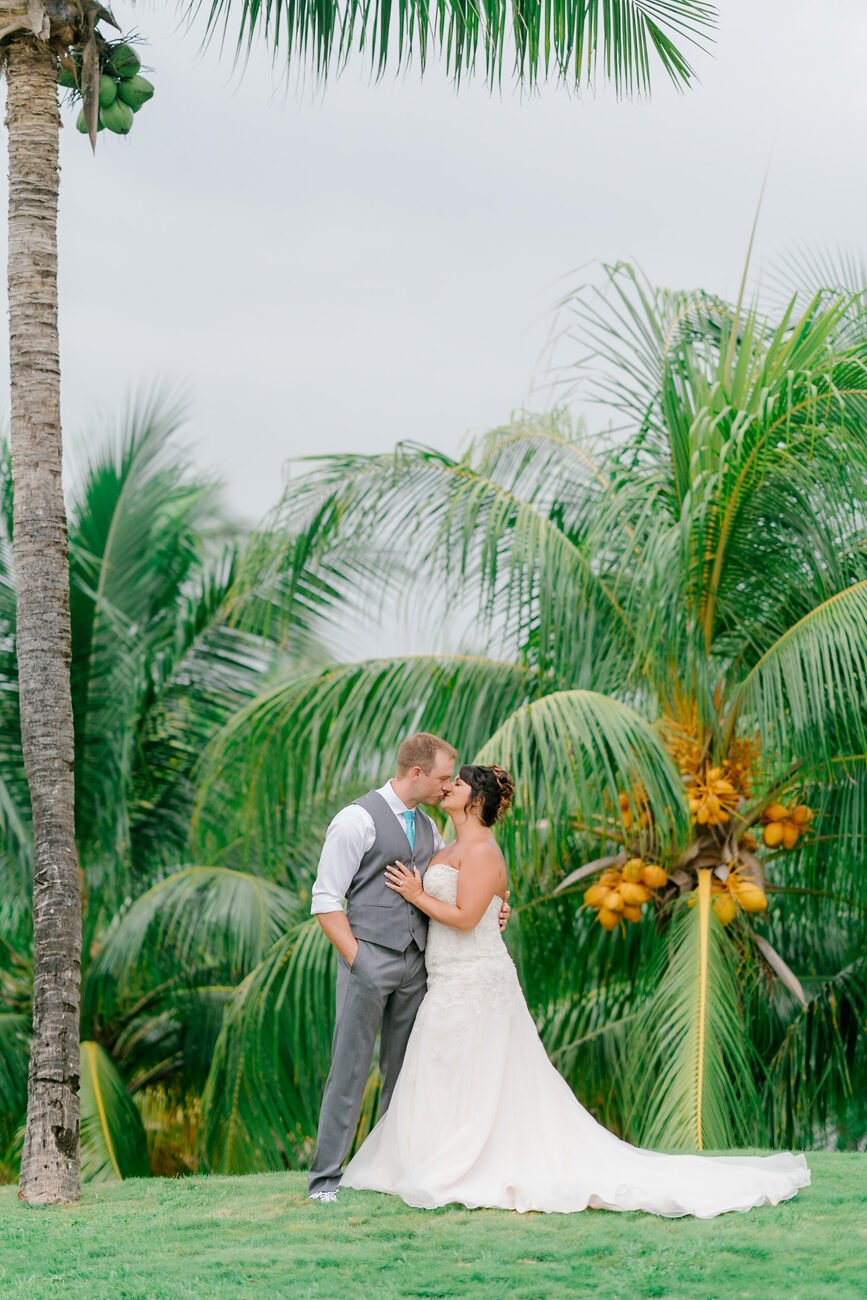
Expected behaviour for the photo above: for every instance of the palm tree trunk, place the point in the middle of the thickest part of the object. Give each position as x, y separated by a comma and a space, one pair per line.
50, 1164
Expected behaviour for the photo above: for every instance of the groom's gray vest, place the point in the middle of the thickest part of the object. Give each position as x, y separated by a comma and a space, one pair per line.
374, 911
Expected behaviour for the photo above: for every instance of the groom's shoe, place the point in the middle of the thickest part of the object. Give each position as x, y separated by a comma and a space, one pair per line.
327, 1198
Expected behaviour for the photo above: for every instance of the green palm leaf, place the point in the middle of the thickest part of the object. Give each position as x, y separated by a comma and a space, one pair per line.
261, 1101
808, 692
571, 754
196, 924
812, 1076
523, 557
572, 40
14, 1053
173, 1039
313, 736
113, 1143
689, 1071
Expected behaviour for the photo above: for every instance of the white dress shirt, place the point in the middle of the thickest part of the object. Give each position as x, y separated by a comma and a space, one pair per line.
347, 839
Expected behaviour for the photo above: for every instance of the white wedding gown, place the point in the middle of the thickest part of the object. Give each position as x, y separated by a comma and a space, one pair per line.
479, 1115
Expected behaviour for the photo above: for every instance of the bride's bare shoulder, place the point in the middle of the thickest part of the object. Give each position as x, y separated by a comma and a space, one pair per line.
485, 859
483, 851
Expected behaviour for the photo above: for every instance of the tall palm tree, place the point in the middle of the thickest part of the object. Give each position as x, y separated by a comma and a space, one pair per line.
668, 646
35, 35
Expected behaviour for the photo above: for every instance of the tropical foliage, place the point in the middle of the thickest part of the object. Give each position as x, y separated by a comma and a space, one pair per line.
158, 667
663, 632
665, 637
45, 43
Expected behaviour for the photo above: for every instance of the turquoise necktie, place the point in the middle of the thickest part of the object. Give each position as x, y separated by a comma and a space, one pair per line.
409, 818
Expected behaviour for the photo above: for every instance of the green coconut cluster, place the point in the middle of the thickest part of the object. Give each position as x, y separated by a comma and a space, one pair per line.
122, 90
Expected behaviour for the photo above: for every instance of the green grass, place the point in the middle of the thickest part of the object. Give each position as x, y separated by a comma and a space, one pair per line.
259, 1236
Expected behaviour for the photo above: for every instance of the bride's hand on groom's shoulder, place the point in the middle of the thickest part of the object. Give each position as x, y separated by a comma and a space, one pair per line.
404, 882
505, 911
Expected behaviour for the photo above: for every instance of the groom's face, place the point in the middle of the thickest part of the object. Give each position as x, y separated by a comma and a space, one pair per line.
432, 785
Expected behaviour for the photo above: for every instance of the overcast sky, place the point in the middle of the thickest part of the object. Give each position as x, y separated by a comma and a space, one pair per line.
338, 271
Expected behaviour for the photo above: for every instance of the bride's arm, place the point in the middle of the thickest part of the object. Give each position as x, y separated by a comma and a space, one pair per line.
480, 873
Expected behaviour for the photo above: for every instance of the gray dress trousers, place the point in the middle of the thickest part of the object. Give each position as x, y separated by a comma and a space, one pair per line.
380, 993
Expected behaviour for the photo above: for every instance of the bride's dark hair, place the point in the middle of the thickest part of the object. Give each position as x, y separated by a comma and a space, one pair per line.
492, 789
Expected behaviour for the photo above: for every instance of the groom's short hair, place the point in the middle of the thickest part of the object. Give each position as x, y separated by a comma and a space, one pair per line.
421, 751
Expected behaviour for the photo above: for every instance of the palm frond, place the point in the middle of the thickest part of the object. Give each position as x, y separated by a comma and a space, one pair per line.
820, 1064
314, 735
262, 1098
113, 1144
802, 273
532, 581
172, 1042
197, 926
690, 1068
571, 754
14, 1053
140, 530
808, 693
572, 41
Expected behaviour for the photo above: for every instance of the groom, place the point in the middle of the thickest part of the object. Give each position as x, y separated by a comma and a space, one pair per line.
380, 940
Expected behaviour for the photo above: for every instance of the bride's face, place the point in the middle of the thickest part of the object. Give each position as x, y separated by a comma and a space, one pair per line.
457, 798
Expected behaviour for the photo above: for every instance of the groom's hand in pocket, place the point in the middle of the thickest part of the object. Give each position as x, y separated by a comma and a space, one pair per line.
505, 911
339, 934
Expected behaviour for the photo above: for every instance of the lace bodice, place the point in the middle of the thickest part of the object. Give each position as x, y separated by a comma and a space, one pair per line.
447, 947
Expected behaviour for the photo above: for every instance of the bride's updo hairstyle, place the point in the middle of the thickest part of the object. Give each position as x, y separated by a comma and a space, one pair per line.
492, 789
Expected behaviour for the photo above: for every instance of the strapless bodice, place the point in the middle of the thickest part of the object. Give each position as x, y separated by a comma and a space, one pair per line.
447, 947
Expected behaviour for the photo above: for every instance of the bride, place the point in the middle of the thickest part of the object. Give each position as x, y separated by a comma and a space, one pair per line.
479, 1116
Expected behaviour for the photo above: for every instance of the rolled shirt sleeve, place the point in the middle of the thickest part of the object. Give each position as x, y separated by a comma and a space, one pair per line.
349, 836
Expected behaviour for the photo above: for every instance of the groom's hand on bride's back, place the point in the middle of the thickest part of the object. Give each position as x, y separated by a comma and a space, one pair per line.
505, 911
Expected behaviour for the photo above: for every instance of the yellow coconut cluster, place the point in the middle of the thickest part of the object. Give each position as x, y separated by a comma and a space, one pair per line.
621, 892
713, 798
737, 892
785, 825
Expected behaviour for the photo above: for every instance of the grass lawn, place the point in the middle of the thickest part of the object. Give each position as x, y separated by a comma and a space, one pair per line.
259, 1236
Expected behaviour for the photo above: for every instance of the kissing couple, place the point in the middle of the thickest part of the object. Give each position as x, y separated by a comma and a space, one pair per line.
471, 1110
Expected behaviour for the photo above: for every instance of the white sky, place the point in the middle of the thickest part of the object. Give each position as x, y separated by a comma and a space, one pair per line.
339, 271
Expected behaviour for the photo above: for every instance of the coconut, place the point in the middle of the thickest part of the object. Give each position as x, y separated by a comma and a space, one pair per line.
802, 815
595, 895
751, 898
790, 834
773, 834
610, 877
632, 913
725, 908
107, 90
607, 919
613, 901
81, 123
632, 869
635, 895
118, 117
66, 79
135, 91
775, 812
654, 877
124, 62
